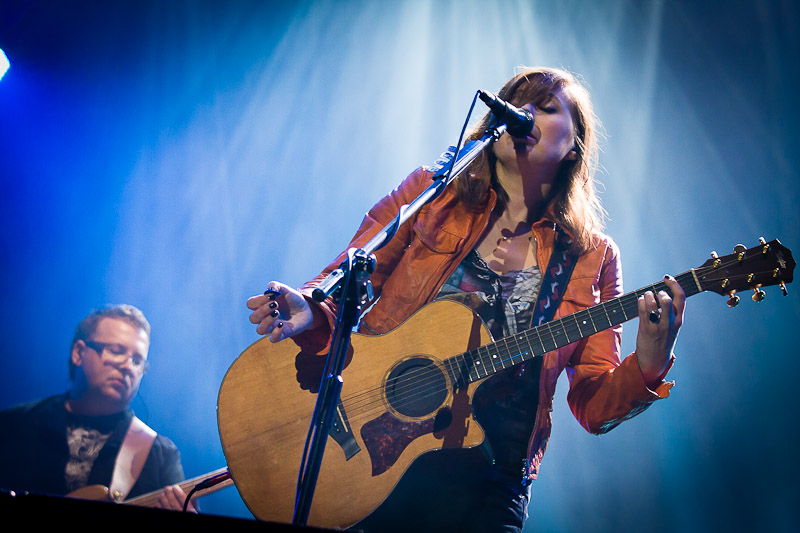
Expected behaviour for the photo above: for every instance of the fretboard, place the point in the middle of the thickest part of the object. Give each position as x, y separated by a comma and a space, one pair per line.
505, 353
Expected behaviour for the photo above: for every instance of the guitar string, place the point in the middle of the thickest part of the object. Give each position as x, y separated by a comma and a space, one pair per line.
570, 329
562, 329
417, 385
372, 398
555, 328
375, 400
378, 391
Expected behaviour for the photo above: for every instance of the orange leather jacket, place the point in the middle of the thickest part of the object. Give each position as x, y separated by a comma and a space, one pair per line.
428, 248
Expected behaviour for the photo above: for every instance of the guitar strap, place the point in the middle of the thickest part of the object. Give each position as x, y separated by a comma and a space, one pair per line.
131, 458
555, 279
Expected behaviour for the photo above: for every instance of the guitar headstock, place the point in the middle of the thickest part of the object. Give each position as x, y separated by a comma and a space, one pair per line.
769, 263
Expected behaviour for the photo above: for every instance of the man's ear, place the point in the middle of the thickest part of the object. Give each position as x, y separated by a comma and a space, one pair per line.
77, 352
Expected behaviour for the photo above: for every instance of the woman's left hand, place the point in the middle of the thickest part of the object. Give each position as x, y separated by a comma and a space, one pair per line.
659, 322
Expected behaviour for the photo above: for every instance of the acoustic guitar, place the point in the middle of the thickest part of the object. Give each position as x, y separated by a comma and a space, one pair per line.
100, 493
409, 391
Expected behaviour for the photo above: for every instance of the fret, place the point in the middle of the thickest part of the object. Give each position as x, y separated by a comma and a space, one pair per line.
652, 288
492, 359
475, 362
535, 332
504, 363
564, 330
448, 366
531, 349
463, 377
616, 316
485, 360
625, 304
457, 368
504, 359
588, 313
607, 322
517, 351
507, 356
495, 360
503, 355
552, 337
473, 373
524, 348
562, 339
689, 282
585, 328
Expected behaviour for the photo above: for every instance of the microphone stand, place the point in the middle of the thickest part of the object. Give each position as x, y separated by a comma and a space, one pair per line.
352, 282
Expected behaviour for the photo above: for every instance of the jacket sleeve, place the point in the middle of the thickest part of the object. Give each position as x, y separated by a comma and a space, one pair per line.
381, 214
605, 391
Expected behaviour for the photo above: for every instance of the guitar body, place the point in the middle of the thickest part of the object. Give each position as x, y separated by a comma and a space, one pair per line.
91, 492
268, 395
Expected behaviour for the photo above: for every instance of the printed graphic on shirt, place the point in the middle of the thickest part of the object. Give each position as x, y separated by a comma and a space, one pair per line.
84, 447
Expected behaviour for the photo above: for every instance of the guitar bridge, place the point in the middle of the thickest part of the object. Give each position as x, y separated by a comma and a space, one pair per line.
340, 432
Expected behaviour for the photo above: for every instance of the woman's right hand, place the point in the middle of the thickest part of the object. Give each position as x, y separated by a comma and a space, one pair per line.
280, 312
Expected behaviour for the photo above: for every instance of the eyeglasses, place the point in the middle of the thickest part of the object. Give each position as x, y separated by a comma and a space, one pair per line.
118, 355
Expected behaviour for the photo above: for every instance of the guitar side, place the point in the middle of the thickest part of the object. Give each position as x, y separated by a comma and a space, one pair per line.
268, 396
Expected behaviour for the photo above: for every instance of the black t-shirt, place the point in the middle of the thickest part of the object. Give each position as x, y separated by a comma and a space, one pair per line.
48, 450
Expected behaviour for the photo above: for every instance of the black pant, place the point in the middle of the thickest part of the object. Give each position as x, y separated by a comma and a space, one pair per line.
453, 490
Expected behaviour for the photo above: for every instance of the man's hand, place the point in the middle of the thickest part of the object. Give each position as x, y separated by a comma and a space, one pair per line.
173, 497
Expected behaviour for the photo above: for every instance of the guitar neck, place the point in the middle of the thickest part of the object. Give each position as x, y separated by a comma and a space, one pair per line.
150, 499
535, 342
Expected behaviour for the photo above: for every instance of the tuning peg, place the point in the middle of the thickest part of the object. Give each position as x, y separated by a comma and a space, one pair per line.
715, 257
764, 245
783, 288
733, 301
758, 295
739, 250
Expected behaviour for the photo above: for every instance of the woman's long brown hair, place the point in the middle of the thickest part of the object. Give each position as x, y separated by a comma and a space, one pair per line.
572, 202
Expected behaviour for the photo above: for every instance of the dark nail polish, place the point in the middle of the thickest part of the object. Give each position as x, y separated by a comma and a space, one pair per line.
273, 305
274, 313
280, 324
271, 293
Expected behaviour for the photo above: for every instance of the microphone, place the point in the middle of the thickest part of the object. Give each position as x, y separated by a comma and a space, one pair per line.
519, 122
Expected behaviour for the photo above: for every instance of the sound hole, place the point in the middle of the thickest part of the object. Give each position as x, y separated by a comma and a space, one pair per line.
416, 387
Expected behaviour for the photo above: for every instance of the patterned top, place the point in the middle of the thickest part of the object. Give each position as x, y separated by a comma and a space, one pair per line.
505, 404
505, 302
